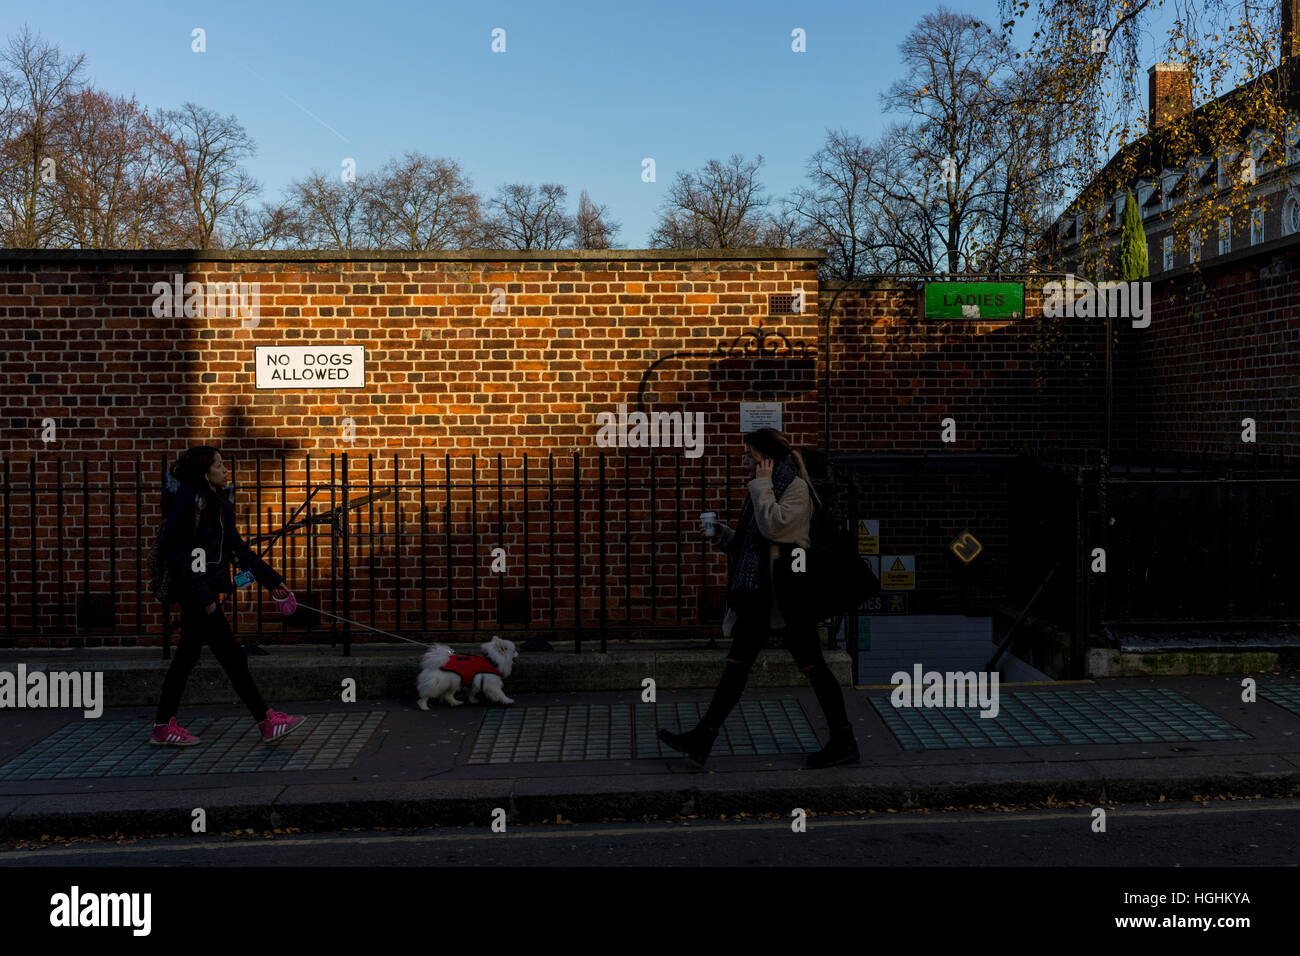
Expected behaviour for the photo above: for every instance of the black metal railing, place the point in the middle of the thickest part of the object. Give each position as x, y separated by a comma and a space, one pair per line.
1205, 541
408, 552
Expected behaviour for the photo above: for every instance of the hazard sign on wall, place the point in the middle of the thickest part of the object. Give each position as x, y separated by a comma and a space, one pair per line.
868, 537
898, 572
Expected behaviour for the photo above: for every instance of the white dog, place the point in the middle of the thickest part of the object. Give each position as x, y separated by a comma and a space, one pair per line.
439, 684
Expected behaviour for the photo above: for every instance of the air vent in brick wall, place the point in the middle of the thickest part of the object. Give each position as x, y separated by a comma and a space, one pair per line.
780, 305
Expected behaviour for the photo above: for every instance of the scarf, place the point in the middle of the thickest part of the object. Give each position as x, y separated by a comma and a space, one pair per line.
748, 575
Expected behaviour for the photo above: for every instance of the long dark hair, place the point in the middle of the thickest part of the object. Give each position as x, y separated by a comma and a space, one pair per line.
770, 443
191, 469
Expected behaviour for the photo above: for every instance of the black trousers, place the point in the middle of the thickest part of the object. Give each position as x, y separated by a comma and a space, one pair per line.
199, 628
749, 636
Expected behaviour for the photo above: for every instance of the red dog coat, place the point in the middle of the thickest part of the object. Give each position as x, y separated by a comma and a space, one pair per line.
468, 666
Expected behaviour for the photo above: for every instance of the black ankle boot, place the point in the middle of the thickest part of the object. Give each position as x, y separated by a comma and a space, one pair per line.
841, 749
696, 743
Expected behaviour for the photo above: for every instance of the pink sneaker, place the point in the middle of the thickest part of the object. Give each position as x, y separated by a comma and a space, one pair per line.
277, 725
172, 734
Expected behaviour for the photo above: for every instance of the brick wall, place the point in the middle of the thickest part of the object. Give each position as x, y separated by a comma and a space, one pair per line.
448, 376
1224, 345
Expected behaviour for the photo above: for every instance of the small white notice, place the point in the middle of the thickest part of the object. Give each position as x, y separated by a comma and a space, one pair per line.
307, 366
759, 415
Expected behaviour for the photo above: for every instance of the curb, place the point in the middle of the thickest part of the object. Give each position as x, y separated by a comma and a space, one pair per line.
282, 678
319, 807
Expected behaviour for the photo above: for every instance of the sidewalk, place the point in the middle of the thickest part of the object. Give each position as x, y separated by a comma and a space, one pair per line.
590, 755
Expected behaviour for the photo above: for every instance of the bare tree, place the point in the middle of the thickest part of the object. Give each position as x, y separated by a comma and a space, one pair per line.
786, 229
592, 227
269, 226
37, 80
529, 217
719, 207
330, 213
962, 170
207, 153
112, 189
419, 202
837, 205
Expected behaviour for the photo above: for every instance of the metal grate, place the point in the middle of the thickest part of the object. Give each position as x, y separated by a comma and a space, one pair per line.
121, 748
780, 304
1284, 695
625, 731
1061, 717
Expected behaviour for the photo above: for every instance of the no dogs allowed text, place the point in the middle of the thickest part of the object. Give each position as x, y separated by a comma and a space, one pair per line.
310, 366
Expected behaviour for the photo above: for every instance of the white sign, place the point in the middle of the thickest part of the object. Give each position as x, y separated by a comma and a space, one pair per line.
759, 415
308, 366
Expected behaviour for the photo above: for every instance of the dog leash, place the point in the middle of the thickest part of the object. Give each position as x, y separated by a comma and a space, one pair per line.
359, 624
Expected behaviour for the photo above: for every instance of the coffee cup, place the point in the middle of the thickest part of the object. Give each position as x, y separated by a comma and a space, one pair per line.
709, 519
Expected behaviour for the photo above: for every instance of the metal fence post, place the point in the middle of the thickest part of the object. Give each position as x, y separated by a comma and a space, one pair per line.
347, 565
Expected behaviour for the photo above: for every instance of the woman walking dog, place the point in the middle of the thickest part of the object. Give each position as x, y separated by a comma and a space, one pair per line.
197, 503
777, 515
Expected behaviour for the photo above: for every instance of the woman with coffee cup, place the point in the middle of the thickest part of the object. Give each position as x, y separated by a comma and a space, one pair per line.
777, 516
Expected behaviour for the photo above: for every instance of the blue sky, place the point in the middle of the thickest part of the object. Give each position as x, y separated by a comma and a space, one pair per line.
583, 92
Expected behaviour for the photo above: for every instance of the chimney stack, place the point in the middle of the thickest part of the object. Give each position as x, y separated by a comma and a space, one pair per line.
1170, 87
1290, 28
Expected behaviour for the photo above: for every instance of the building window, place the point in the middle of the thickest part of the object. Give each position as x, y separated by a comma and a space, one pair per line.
1227, 162
1291, 216
1225, 235
1257, 226
1167, 248
1293, 139
1194, 246
1167, 183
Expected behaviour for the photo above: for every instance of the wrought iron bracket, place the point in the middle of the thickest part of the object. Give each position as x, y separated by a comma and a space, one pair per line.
752, 343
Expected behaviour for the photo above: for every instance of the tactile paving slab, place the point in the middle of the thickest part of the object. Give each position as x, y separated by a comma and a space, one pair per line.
627, 731
121, 748
1028, 718
1284, 695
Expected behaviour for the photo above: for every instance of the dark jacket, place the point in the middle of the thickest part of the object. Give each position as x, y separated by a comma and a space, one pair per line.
216, 534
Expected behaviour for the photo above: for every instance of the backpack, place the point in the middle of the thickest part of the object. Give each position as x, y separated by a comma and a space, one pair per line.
161, 577
836, 580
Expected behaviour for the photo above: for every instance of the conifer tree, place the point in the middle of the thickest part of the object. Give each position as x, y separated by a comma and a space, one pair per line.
1132, 243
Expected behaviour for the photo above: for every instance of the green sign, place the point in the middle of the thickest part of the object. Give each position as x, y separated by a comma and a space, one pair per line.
974, 300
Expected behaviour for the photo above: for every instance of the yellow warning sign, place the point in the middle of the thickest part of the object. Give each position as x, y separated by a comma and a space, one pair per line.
868, 536
898, 572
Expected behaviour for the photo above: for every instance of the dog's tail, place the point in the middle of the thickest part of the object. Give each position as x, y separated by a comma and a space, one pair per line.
436, 656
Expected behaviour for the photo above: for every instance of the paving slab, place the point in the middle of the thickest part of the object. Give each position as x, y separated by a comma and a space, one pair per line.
595, 755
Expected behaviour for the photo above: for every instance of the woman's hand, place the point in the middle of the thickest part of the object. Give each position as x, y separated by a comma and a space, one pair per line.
210, 608
764, 468
285, 599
